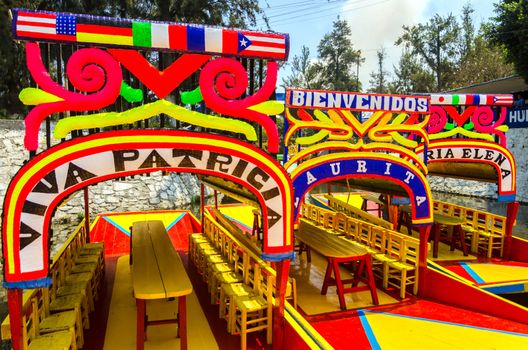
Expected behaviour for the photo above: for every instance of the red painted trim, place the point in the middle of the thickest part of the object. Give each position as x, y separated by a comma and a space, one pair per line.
519, 249
422, 259
445, 289
282, 268
511, 214
14, 305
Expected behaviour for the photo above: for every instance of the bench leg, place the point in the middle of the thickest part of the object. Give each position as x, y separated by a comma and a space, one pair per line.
140, 330
327, 277
182, 322
371, 283
339, 284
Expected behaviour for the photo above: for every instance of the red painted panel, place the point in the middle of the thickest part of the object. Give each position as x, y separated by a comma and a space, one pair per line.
444, 289
519, 249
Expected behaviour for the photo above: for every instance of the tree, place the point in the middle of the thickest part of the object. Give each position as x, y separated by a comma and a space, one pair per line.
378, 80
337, 57
436, 45
511, 30
304, 73
467, 31
410, 76
484, 62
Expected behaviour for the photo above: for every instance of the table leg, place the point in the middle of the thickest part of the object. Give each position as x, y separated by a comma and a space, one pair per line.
327, 277
140, 329
359, 272
371, 284
462, 237
182, 322
436, 239
339, 284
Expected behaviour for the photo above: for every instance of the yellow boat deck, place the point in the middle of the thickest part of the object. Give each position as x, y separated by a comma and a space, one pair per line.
122, 318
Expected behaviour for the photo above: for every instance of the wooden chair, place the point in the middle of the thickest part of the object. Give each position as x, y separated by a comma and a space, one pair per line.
491, 235
404, 271
33, 340
62, 321
254, 313
194, 240
231, 272
230, 291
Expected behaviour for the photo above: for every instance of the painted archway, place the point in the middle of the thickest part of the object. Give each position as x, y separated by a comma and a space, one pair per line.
483, 152
45, 180
365, 164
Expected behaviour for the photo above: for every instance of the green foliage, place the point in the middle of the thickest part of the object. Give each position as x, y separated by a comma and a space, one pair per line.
337, 58
411, 76
378, 80
435, 45
304, 73
445, 53
511, 30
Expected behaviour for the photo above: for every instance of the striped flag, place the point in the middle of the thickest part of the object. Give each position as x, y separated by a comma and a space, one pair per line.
472, 99
262, 44
45, 26
49, 26
90, 30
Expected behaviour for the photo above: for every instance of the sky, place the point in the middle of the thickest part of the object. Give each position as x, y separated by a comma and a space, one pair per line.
374, 24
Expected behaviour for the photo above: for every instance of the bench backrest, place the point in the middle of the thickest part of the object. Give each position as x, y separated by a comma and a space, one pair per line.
354, 212
477, 219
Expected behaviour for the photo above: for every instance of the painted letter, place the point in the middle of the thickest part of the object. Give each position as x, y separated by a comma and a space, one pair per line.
420, 200
336, 168
361, 166
387, 169
409, 176
310, 178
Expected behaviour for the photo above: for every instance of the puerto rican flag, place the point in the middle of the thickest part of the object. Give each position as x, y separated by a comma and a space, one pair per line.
45, 26
262, 44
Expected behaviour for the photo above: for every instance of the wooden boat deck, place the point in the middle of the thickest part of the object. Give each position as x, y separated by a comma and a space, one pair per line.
409, 324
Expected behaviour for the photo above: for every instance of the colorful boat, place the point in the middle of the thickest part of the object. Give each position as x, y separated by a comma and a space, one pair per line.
249, 287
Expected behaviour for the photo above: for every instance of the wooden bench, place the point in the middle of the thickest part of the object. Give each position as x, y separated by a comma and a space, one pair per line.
394, 255
246, 292
62, 264
157, 273
354, 212
485, 230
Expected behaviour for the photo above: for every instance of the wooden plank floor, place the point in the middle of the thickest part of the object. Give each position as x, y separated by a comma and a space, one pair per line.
122, 319
309, 278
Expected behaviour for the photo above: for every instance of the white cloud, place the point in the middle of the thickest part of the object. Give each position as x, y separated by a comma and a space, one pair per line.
380, 24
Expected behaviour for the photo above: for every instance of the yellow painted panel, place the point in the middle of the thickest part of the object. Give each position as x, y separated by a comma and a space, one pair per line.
126, 220
492, 273
241, 213
397, 332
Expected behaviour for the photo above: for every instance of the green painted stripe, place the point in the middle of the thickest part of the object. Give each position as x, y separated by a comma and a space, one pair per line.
455, 99
141, 34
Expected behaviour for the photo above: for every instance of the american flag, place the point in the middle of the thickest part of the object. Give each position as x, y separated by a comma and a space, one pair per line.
46, 26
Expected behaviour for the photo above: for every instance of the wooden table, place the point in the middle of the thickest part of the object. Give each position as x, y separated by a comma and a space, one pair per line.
157, 273
439, 220
338, 250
